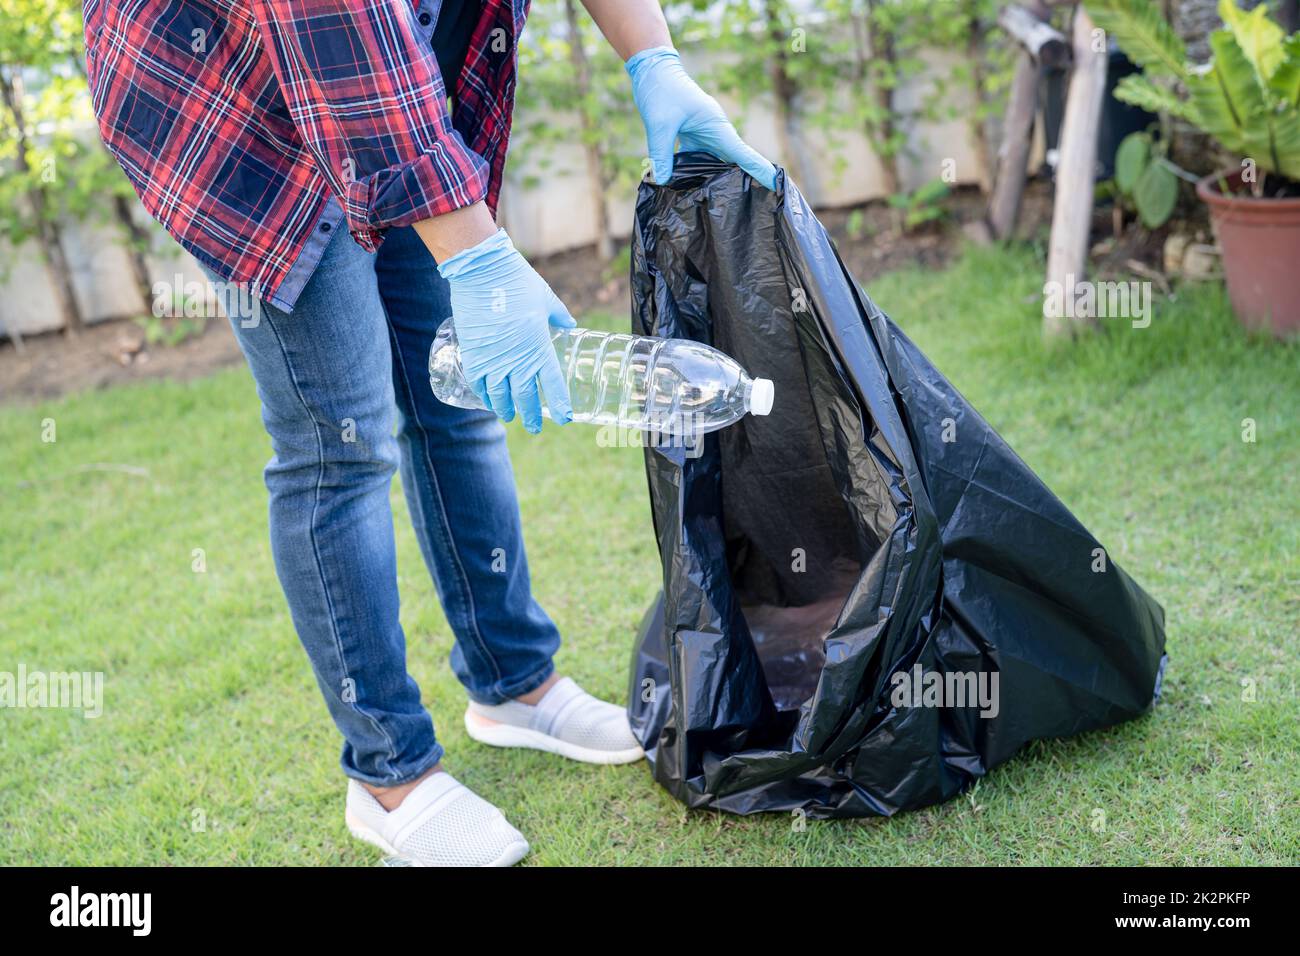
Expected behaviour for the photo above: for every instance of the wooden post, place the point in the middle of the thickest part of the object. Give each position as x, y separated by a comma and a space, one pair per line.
1040, 43
1013, 156
1076, 173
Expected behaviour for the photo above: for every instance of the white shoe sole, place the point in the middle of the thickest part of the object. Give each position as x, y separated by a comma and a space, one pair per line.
496, 734
512, 854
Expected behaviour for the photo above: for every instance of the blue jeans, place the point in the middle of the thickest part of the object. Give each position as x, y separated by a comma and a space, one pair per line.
344, 387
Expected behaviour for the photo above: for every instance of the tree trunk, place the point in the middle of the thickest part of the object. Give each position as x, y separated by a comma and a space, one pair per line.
47, 230
597, 181
1194, 21
137, 239
978, 129
880, 133
784, 91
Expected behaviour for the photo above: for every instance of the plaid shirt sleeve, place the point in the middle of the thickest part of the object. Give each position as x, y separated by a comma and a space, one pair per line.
367, 99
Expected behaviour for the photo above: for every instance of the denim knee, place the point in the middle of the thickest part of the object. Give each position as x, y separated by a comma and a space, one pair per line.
331, 459
332, 442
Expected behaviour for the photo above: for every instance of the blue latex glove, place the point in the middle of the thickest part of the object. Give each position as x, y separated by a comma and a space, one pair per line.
674, 108
503, 312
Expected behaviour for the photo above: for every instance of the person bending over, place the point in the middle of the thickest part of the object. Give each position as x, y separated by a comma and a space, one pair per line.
342, 160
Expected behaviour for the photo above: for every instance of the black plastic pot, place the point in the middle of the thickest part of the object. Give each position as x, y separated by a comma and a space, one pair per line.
1118, 119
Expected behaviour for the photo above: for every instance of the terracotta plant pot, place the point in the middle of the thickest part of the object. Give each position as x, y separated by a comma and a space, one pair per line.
1260, 239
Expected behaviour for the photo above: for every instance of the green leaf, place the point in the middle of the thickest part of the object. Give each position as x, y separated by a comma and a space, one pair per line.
1259, 37
1138, 90
922, 215
1155, 195
930, 192
1283, 132
1227, 96
1142, 33
1285, 81
1232, 107
1131, 160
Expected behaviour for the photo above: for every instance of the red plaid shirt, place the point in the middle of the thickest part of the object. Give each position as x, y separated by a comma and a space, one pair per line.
252, 128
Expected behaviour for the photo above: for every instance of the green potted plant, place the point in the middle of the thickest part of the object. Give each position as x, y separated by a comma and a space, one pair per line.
1248, 99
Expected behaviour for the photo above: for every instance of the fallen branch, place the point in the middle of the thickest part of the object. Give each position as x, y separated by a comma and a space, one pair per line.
1146, 272
1047, 45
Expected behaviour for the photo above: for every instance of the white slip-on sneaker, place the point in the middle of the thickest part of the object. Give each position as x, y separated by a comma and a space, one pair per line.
566, 721
440, 823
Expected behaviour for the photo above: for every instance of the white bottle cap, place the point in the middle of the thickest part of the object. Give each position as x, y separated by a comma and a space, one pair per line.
760, 396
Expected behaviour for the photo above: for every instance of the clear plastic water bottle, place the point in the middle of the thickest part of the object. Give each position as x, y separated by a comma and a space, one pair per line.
667, 386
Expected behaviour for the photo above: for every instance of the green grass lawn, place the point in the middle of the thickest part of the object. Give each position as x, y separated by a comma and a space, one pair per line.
214, 747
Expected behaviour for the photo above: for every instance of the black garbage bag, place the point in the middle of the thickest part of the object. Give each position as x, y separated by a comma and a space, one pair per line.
868, 599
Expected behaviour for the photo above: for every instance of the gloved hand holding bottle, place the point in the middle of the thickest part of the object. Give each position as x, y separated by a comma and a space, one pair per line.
503, 313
